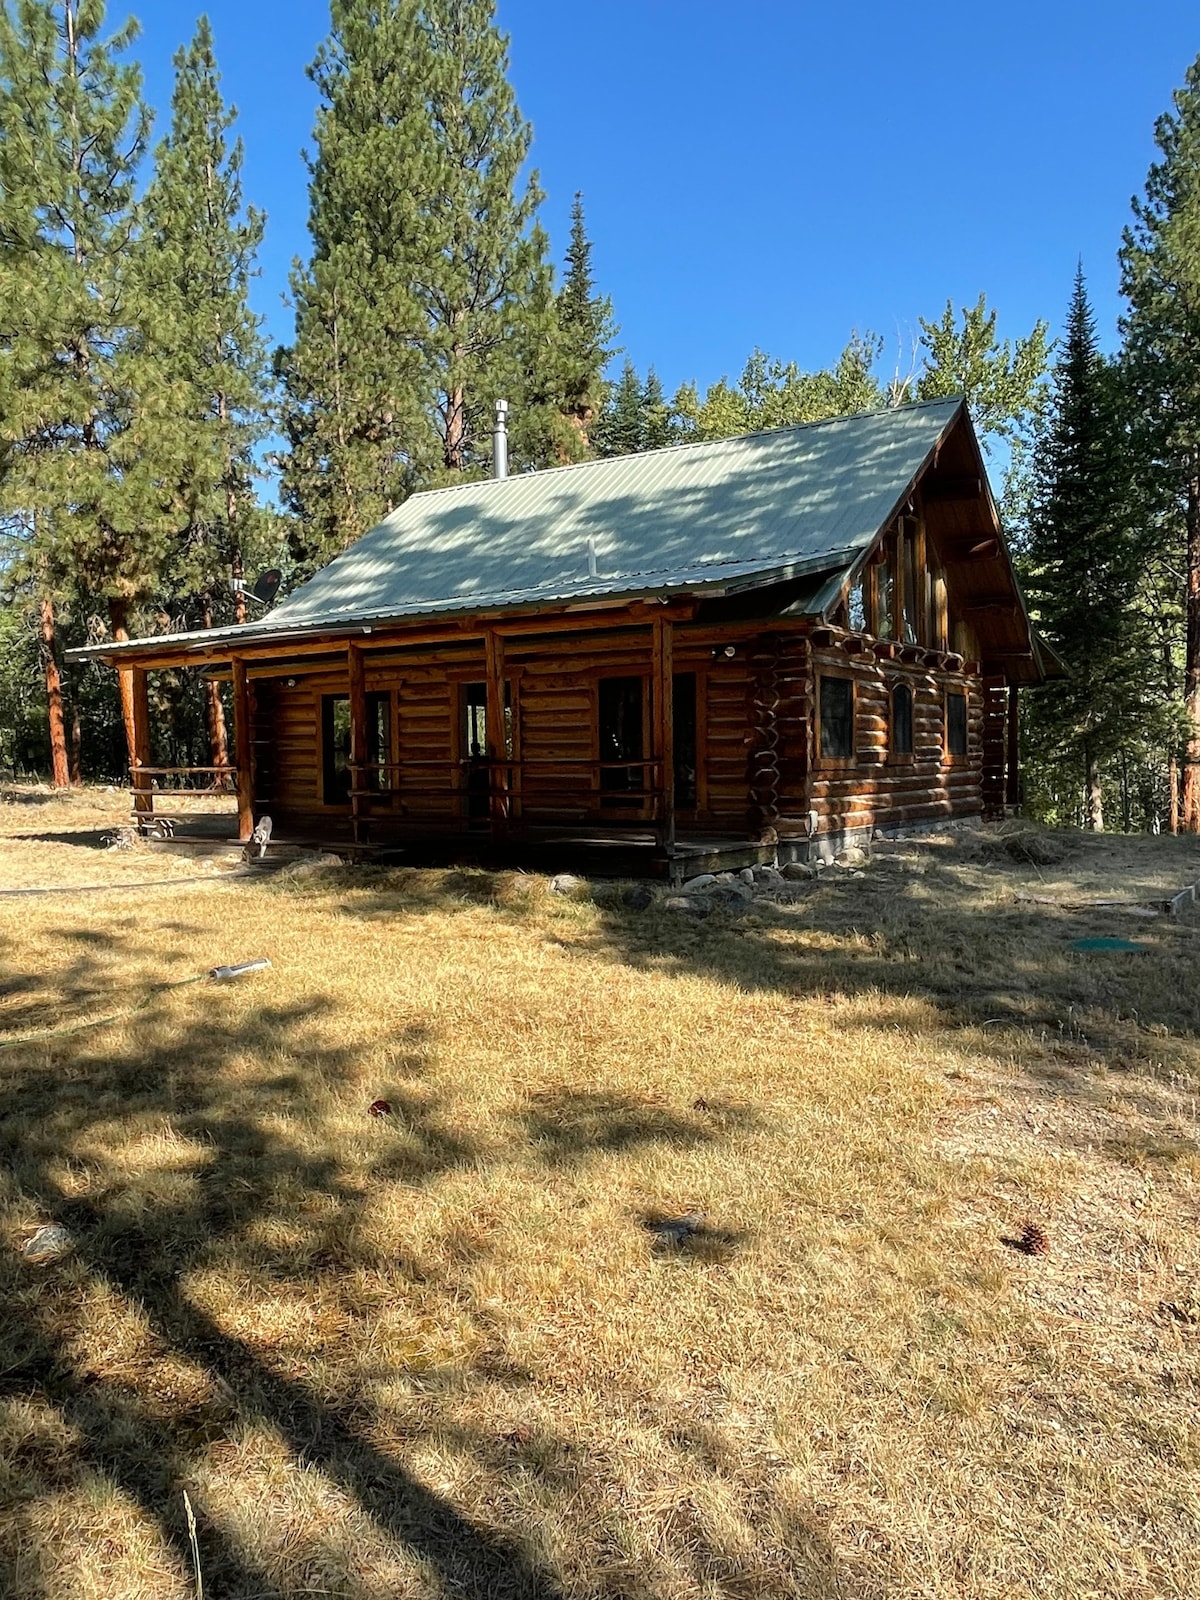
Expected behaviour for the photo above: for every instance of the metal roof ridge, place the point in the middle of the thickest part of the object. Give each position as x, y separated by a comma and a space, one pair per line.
668, 449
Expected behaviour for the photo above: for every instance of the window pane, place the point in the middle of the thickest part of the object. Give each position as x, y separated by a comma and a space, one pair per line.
858, 608
912, 597
379, 740
335, 749
902, 720
684, 739
837, 717
620, 733
956, 724
885, 589
474, 748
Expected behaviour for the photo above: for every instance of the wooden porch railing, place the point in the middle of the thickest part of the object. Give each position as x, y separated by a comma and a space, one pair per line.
501, 795
145, 791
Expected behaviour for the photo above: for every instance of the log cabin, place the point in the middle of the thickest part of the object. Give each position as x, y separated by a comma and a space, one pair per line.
758, 649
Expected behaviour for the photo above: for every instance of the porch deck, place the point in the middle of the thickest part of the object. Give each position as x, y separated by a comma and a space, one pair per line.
602, 852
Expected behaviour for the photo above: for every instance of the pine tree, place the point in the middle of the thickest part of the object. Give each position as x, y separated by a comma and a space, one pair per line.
657, 430
586, 331
428, 295
621, 430
83, 407
1160, 279
1083, 562
199, 253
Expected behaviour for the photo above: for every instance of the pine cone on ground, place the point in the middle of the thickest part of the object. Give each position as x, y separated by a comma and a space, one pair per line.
1033, 1240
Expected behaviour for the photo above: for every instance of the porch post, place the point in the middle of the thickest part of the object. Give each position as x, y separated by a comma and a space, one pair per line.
497, 751
664, 724
143, 794
1012, 792
243, 749
358, 743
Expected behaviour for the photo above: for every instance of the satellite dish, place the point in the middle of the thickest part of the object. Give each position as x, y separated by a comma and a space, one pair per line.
267, 586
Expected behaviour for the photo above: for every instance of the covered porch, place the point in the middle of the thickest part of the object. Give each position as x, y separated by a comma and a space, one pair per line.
621, 742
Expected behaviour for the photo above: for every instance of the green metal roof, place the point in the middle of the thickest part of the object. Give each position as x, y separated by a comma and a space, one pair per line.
807, 499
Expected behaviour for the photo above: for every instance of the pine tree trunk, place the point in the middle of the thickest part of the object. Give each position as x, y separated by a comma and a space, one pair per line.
237, 572
1191, 768
54, 698
1173, 793
218, 737
118, 616
456, 430
1095, 795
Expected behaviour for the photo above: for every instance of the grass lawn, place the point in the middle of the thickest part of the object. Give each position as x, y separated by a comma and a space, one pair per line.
441, 1352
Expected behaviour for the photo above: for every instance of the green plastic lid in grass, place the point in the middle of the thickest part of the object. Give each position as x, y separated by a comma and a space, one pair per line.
1101, 943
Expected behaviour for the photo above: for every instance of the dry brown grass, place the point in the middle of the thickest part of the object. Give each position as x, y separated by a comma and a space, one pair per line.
440, 1353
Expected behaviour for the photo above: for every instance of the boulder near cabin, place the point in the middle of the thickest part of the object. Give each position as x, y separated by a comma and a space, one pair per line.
713, 654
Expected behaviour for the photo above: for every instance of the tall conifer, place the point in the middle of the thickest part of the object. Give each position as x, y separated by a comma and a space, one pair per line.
1083, 561
200, 247
1160, 278
621, 429
428, 295
83, 407
586, 331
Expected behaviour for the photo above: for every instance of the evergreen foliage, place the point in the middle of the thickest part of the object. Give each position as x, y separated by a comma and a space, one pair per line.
82, 405
622, 429
428, 295
658, 428
200, 244
1083, 564
586, 331
1160, 278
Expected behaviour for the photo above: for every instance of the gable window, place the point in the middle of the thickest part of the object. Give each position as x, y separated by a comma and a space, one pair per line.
885, 593
335, 749
620, 722
902, 720
912, 582
956, 724
835, 719
858, 606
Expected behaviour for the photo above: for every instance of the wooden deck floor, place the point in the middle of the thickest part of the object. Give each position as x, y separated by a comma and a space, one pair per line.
601, 852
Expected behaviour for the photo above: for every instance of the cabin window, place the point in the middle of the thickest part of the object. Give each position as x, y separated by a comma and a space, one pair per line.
475, 752
912, 584
335, 749
956, 724
683, 712
858, 606
902, 720
379, 741
885, 597
620, 724
836, 719
474, 748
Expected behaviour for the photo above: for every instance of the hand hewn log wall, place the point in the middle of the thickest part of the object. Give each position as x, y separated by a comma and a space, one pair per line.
758, 767
879, 789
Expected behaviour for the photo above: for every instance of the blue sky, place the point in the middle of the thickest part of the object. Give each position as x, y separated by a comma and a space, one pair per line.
774, 173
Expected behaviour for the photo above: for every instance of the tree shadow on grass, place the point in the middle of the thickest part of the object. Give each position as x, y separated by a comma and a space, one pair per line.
570, 1124
253, 1171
